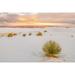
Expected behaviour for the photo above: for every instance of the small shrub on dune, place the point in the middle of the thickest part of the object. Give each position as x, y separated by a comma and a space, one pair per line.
39, 34
11, 34
51, 49
72, 36
45, 30
30, 34
24, 35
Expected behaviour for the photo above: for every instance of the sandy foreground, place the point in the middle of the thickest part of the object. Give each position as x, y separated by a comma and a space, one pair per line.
29, 48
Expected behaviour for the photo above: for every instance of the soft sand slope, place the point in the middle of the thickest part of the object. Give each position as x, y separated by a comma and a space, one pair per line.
29, 48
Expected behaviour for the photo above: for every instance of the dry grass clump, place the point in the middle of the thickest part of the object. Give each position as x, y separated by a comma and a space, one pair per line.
30, 34
24, 35
72, 36
11, 34
45, 30
39, 34
51, 49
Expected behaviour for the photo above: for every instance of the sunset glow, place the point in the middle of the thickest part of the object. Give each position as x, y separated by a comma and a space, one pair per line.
39, 19
37, 24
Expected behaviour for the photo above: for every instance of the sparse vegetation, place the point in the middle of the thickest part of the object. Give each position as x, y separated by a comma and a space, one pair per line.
24, 35
11, 34
30, 34
72, 36
45, 30
51, 49
39, 34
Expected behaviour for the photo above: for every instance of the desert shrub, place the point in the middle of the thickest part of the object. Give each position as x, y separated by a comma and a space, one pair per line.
11, 34
30, 34
24, 35
51, 49
39, 34
45, 30
72, 35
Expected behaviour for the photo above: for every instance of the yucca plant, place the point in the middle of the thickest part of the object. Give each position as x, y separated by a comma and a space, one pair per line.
51, 49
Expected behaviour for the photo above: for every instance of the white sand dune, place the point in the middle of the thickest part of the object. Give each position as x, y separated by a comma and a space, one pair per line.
29, 48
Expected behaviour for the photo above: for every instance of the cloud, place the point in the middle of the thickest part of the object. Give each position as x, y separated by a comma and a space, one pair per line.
13, 18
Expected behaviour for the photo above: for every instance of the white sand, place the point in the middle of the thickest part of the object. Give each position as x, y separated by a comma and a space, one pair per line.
29, 48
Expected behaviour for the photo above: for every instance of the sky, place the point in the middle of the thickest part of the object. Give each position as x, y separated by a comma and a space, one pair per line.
37, 6
43, 6
58, 19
